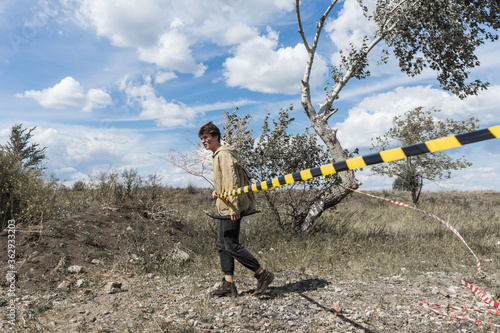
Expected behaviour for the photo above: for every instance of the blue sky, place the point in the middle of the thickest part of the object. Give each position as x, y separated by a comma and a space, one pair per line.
107, 82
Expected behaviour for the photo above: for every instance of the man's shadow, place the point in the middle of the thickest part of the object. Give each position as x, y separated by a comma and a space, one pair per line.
300, 287
294, 287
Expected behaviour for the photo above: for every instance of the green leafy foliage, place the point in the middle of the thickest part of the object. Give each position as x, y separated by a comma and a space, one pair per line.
413, 127
440, 34
274, 153
277, 152
19, 148
24, 194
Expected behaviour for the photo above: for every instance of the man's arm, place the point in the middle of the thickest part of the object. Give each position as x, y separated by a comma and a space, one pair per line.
229, 182
233, 217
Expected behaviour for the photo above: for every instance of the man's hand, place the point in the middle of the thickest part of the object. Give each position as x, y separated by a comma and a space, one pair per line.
233, 217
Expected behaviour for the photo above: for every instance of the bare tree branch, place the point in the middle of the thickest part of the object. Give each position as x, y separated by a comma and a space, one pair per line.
331, 114
351, 71
306, 92
301, 30
196, 162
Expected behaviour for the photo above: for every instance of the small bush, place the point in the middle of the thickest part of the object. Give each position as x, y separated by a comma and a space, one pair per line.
191, 189
79, 186
24, 195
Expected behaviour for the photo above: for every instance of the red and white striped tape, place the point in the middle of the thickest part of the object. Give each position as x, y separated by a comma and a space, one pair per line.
463, 281
453, 315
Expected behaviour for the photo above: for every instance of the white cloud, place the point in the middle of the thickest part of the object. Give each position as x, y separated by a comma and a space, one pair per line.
75, 152
164, 77
258, 65
47, 137
66, 94
96, 144
373, 115
373, 181
172, 52
168, 114
69, 94
229, 105
126, 23
350, 26
4, 134
238, 33
96, 98
80, 147
164, 32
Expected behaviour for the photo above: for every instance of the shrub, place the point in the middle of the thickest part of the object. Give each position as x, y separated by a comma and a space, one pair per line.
24, 195
79, 186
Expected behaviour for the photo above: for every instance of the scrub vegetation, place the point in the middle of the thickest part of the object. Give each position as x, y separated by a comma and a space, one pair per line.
134, 232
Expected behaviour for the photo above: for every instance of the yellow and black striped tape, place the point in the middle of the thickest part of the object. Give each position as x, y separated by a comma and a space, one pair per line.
430, 146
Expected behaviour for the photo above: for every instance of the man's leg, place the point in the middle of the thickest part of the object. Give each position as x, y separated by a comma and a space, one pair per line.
228, 288
230, 236
232, 246
226, 259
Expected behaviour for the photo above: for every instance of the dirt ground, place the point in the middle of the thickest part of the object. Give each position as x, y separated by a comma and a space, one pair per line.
298, 301
44, 252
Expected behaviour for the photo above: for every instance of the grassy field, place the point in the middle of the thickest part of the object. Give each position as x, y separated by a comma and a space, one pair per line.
362, 238
366, 232
366, 236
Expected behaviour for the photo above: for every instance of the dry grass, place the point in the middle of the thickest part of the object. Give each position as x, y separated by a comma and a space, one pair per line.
366, 236
362, 239
362, 234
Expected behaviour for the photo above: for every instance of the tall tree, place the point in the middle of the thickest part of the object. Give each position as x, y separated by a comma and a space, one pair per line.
439, 34
19, 146
416, 126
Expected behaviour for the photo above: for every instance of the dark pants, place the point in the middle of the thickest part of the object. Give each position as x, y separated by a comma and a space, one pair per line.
230, 248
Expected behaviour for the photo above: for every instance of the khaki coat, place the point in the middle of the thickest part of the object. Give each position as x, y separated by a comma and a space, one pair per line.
229, 175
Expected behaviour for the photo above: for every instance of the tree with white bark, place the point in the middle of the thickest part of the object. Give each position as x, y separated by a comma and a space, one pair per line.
438, 34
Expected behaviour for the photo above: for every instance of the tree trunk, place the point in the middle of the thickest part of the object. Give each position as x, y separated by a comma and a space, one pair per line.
319, 121
337, 193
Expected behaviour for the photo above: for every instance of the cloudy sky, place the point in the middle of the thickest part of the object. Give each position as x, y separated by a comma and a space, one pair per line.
113, 84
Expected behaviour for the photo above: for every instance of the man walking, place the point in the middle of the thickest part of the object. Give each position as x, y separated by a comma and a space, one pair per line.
228, 175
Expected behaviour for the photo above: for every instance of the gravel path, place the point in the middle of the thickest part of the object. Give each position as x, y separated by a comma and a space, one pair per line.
310, 301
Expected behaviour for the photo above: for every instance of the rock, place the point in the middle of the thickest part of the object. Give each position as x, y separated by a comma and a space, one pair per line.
113, 287
75, 269
96, 262
180, 256
336, 308
80, 283
64, 285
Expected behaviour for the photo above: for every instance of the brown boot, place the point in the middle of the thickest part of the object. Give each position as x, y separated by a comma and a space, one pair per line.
226, 289
264, 279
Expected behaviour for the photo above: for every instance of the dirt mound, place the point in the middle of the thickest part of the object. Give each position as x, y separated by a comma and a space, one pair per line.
90, 239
